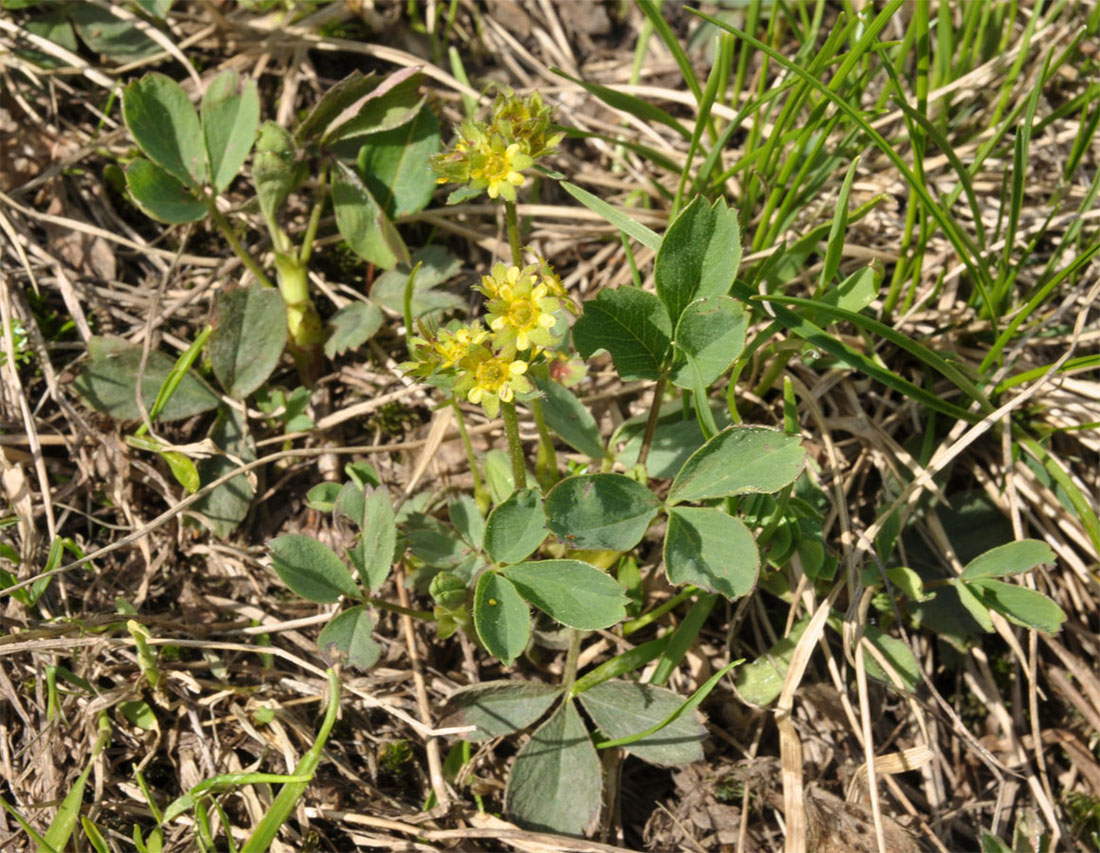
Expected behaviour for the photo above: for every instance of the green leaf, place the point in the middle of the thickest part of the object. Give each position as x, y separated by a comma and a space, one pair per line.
623, 708
183, 469
109, 379
347, 639
139, 714
335, 102
248, 338
53, 26
1012, 558
570, 419
395, 164
468, 520
897, 654
737, 461
499, 708
973, 605
629, 323
855, 293
699, 255
161, 196
274, 169
363, 223
351, 327
631, 104
712, 550
395, 101
1019, 605
226, 506
677, 437
166, 127
516, 527
229, 122
311, 569
556, 781
601, 511
501, 617
118, 40
322, 497
498, 475
759, 683
373, 554
711, 333
574, 593
437, 265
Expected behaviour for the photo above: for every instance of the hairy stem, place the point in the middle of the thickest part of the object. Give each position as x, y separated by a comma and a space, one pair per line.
546, 463
512, 221
480, 495
515, 446
569, 675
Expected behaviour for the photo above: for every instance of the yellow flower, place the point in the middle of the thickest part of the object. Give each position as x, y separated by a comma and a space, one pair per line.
520, 310
453, 346
499, 168
488, 379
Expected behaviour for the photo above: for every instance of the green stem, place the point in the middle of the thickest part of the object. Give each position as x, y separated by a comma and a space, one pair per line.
226, 230
480, 495
659, 611
651, 423
314, 218
397, 608
569, 675
546, 463
512, 221
515, 446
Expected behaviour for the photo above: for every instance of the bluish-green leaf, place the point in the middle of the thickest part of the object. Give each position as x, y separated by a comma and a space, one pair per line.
973, 605
738, 461
437, 265
166, 127
556, 780
574, 593
311, 569
699, 255
601, 511
351, 327
897, 654
712, 550
395, 164
501, 617
516, 527
363, 222
624, 708
117, 39
161, 196
229, 122
248, 338
395, 101
347, 639
109, 379
499, 708
373, 554
629, 323
711, 333
1012, 558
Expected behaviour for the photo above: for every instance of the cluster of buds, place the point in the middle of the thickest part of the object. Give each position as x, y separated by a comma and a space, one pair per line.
489, 365
492, 157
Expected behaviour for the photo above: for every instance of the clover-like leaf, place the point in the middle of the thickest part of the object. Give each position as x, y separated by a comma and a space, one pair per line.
516, 527
501, 617
311, 569
631, 324
347, 639
601, 511
161, 196
166, 127
711, 549
699, 255
248, 337
740, 460
574, 593
229, 122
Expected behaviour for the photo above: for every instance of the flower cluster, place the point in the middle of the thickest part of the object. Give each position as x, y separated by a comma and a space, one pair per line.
492, 157
490, 365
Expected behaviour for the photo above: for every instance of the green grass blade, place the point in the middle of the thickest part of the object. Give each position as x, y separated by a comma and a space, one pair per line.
821, 339
927, 356
64, 822
621, 220
636, 107
682, 638
291, 792
660, 25
693, 701
963, 246
1085, 513
627, 662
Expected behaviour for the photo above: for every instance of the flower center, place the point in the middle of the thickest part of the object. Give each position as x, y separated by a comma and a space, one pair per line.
522, 314
491, 374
